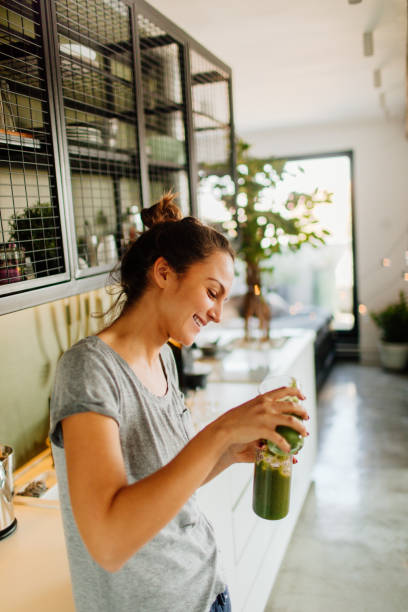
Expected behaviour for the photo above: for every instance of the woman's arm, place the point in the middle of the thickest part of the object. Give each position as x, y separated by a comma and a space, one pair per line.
237, 453
116, 519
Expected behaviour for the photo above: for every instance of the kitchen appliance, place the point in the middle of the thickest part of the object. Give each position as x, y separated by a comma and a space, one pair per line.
191, 375
8, 523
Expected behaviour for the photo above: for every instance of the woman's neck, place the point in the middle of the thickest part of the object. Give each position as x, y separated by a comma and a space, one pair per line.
136, 335
137, 338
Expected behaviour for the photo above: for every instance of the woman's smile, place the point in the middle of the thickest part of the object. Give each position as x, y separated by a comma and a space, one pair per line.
198, 321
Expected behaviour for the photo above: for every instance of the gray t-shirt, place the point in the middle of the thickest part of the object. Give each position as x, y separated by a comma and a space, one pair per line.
178, 570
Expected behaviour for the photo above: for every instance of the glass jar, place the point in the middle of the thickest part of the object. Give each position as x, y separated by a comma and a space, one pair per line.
273, 467
272, 478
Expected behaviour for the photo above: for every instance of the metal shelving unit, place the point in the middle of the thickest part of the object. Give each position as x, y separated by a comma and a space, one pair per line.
104, 106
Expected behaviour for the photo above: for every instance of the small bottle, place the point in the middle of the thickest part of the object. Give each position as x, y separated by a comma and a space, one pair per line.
14, 272
3, 266
135, 224
29, 269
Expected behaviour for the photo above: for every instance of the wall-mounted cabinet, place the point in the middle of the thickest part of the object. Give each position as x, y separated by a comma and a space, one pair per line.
103, 107
32, 248
95, 65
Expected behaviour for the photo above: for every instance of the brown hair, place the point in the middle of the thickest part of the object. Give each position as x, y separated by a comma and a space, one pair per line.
182, 241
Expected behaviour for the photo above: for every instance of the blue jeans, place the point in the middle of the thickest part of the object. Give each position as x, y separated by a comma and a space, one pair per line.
222, 603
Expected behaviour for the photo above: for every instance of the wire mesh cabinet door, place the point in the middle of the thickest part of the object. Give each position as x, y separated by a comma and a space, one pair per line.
213, 140
96, 63
32, 250
165, 110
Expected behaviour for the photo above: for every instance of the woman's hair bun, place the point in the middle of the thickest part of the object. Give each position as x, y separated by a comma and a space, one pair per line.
164, 210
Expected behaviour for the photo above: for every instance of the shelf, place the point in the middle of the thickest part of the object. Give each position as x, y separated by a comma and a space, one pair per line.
26, 46
26, 156
212, 76
163, 107
67, 59
104, 112
104, 154
99, 161
151, 42
166, 165
218, 124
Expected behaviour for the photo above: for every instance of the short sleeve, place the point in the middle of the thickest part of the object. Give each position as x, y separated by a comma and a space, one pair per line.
84, 382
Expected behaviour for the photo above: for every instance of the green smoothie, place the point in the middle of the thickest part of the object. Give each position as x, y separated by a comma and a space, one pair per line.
272, 485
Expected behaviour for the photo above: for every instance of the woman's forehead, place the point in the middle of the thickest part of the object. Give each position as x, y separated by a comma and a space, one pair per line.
217, 266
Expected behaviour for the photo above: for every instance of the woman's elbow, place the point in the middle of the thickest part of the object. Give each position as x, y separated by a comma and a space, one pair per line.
111, 552
110, 565
109, 560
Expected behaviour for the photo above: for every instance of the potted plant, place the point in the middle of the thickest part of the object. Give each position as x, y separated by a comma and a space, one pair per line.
393, 344
261, 231
35, 231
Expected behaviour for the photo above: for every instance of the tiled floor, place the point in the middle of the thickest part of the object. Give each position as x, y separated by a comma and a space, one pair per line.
349, 552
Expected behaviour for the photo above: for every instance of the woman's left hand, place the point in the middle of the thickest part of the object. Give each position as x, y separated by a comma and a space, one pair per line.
238, 453
244, 453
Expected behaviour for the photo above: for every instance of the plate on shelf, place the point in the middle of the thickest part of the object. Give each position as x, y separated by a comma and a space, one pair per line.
13, 137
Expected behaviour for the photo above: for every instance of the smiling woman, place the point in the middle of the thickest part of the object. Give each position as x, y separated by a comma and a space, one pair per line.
127, 460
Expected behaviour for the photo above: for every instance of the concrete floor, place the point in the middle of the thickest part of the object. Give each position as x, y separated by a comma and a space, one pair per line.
349, 551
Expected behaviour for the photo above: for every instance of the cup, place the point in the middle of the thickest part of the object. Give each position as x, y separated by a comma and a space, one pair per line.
107, 251
92, 245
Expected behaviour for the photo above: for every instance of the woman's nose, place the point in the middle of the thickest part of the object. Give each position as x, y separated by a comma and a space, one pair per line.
216, 312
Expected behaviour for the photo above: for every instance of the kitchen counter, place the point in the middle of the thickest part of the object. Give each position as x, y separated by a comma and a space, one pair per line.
253, 548
33, 564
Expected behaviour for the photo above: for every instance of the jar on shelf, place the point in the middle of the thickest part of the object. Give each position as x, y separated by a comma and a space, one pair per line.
132, 225
14, 264
3, 266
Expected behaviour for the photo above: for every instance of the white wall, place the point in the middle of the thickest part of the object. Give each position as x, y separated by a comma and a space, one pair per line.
380, 201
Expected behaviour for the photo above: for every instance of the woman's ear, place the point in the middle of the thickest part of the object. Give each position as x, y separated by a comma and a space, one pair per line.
162, 272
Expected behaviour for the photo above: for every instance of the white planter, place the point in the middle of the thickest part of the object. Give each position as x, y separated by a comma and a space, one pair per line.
393, 355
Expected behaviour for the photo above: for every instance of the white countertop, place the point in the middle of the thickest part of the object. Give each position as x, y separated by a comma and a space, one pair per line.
251, 361
33, 564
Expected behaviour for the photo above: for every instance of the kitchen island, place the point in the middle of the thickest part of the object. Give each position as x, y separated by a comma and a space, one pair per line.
253, 548
33, 563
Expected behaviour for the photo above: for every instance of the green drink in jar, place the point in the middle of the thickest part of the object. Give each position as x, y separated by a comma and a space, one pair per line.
273, 467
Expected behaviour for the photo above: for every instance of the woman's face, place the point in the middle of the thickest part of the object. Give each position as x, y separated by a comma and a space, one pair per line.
196, 298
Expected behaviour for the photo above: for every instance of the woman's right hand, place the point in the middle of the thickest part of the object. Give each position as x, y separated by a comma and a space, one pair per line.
259, 417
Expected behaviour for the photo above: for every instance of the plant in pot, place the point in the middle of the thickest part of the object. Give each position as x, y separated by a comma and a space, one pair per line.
263, 229
35, 231
393, 323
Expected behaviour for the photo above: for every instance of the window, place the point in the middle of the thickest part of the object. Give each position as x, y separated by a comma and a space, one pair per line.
322, 277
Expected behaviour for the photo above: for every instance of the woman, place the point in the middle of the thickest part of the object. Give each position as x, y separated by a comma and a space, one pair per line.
127, 460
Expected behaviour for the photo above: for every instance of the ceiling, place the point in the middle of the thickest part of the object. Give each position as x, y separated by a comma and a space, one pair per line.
301, 62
